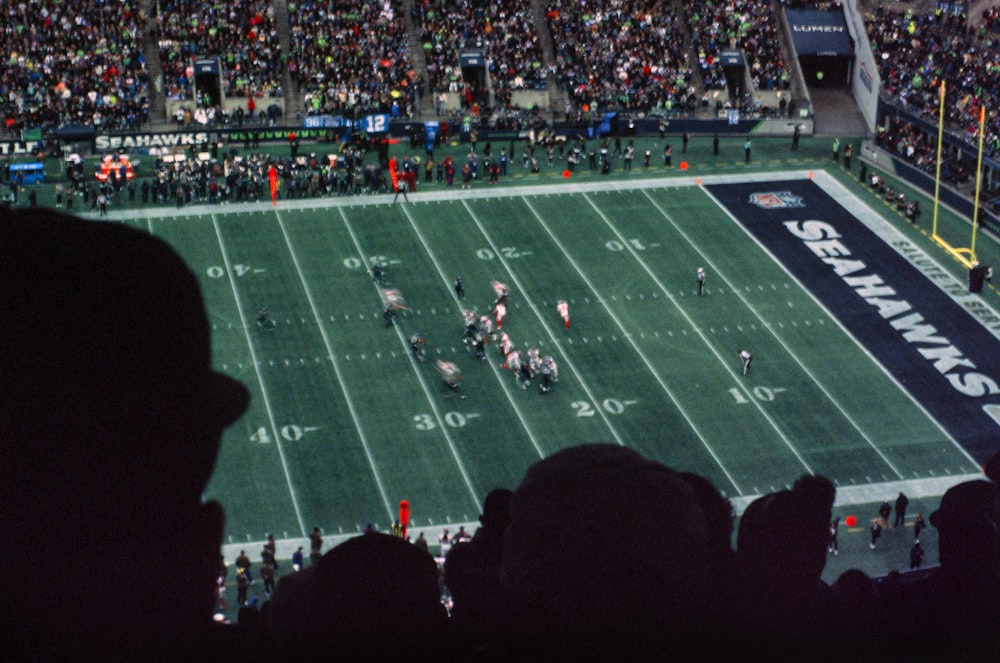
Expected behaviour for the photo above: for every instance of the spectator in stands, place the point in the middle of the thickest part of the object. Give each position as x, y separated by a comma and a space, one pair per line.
781, 550
243, 35
954, 610
914, 53
373, 598
472, 570
326, 40
604, 560
748, 25
112, 420
630, 56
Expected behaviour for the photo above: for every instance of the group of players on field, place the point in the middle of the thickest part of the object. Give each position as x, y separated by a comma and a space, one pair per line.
526, 365
479, 331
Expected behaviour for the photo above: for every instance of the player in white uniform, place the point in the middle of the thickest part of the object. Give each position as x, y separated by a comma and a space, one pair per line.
450, 375
701, 282
563, 309
485, 325
500, 310
746, 358
503, 292
393, 301
522, 373
505, 344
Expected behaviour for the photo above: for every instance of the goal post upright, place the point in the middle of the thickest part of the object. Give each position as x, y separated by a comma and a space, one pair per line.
966, 256
979, 180
937, 174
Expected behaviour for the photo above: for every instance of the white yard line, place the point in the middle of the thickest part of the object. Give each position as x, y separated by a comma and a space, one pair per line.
503, 383
260, 378
628, 336
441, 425
527, 298
336, 369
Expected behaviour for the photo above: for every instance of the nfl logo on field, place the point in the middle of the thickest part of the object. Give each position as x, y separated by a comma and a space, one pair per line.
776, 200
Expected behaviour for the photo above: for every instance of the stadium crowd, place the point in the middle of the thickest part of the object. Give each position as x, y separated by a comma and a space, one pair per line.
79, 62
745, 24
242, 34
329, 40
915, 53
506, 36
629, 55
446, 29
990, 20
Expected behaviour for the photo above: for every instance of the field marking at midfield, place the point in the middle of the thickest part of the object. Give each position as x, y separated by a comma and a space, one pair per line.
773, 333
635, 347
260, 378
496, 371
442, 426
336, 369
697, 330
545, 326
847, 333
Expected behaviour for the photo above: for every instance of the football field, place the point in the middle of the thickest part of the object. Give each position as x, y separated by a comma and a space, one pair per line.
346, 422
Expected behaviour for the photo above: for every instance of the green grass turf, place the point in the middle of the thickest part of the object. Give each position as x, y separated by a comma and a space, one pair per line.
344, 424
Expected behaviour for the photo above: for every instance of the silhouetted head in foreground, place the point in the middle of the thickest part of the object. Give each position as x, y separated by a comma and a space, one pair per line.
112, 420
604, 556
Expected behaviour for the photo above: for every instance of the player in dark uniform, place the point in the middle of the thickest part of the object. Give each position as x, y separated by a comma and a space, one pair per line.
263, 321
459, 289
479, 341
471, 321
549, 373
417, 346
377, 272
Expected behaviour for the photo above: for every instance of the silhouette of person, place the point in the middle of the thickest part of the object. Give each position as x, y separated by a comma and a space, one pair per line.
472, 570
112, 421
902, 501
781, 550
953, 612
369, 599
624, 582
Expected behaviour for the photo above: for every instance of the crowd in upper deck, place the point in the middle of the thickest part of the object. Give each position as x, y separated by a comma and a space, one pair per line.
241, 33
624, 54
84, 62
79, 62
917, 52
352, 55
